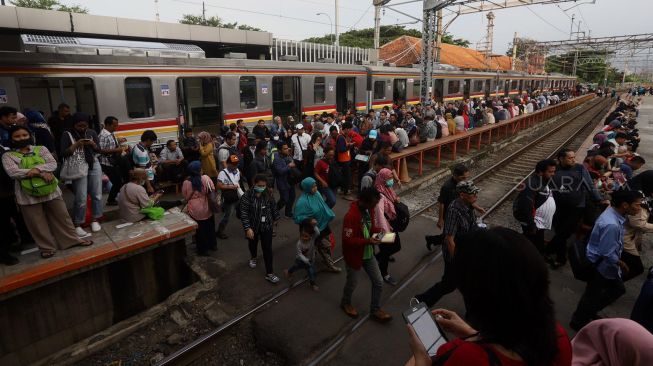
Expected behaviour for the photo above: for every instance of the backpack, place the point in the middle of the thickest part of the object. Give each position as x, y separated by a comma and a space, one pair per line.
35, 186
402, 218
581, 267
335, 176
568, 192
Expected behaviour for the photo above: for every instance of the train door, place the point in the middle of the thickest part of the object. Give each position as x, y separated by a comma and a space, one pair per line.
506, 87
488, 88
200, 103
45, 95
466, 88
345, 94
399, 91
438, 90
285, 96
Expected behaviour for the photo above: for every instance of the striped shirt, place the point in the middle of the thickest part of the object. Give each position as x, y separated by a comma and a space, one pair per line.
107, 142
258, 213
460, 219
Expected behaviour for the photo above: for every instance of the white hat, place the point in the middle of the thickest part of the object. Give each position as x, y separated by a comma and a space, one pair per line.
299, 126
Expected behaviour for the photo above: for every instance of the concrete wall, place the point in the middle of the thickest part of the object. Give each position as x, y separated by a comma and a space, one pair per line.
42, 321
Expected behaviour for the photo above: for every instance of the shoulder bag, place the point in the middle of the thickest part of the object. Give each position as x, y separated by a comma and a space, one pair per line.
74, 166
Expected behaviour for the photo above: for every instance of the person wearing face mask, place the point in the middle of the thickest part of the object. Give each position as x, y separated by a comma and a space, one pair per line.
258, 212
383, 213
133, 197
82, 140
228, 183
49, 222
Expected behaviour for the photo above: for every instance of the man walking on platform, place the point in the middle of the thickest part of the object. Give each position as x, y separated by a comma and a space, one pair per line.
604, 249
460, 219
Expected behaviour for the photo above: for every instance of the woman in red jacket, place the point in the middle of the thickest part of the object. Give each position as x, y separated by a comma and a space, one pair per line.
358, 251
510, 317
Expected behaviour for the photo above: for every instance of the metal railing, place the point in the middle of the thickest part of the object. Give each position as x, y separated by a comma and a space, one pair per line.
288, 50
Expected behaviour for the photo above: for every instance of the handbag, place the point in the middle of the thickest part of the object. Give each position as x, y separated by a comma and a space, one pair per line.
229, 196
74, 166
214, 201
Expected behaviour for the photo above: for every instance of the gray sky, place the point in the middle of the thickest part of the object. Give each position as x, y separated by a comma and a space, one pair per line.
296, 19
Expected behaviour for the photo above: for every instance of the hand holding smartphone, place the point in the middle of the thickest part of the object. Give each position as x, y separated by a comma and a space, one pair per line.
427, 330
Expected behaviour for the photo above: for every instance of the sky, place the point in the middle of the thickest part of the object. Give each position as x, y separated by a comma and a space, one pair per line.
297, 19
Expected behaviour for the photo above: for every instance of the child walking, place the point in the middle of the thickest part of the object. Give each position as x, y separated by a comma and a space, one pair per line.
305, 258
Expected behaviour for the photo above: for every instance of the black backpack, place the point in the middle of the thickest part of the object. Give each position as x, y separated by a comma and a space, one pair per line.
581, 267
335, 176
402, 219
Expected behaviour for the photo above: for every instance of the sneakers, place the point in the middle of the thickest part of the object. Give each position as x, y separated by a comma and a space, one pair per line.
81, 232
272, 278
390, 280
95, 226
349, 310
252, 263
381, 316
8, 259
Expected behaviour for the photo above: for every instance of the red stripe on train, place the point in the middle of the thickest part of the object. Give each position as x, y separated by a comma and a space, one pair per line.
382, 102
247, 115
127, 126
318, 108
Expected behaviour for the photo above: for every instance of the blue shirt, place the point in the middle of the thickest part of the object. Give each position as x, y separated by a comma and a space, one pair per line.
627, 170
606, 243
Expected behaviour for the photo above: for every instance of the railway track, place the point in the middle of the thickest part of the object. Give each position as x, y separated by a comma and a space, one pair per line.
508, 173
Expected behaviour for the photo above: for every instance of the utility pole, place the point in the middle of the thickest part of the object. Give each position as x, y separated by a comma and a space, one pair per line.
571, 29
438, 36
605, 75
430, 30
203, 13
156, 7
514, 51
378, 4
337, 25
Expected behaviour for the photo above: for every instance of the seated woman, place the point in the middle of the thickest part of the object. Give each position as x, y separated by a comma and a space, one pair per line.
38, 194
133, 197
504, 282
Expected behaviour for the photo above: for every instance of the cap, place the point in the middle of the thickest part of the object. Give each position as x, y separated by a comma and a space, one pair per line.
233, 159
20, 116
467, 186
299, 126
373, 134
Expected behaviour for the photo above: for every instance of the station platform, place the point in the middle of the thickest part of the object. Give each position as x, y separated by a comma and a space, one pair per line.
52, 303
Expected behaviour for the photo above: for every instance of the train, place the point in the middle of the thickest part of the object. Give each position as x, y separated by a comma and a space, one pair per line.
164, 86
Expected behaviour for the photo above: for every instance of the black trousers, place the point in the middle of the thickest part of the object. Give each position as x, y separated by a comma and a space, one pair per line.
116, 181
266, 245
445, 286
599, 293
565, 223
345, 170
11, 222
385, 251
635, 266
537, 238
205, 236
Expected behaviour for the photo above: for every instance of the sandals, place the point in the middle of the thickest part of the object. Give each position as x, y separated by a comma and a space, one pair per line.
48, 254
85, 243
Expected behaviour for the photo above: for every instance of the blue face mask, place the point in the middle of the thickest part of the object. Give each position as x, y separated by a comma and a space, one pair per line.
390, 182
258, 189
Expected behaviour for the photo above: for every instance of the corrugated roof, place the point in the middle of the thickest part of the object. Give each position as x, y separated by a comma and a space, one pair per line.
407, 50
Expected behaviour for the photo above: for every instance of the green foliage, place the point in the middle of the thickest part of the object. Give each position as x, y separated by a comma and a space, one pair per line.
525, 46
214, 21
591, 72
364, 38
49, 5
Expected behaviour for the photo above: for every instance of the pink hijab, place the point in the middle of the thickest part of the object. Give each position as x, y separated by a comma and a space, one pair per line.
612, 342
205, 138
388, 204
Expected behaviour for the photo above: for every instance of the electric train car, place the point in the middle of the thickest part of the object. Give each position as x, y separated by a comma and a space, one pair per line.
163, 86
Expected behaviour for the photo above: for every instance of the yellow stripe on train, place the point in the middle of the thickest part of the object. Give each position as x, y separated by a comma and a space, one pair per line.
131, 133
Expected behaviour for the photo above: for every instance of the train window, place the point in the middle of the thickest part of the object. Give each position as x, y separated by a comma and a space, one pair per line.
417, 88
453, 87
140, 102
379, 89
45, 94
319, 90
477, 86
247, 92
514, 85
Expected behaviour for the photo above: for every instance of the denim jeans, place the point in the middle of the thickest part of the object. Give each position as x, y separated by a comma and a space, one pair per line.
228, 209
371, 267
287, 199
91, 184
309, 267
329, 196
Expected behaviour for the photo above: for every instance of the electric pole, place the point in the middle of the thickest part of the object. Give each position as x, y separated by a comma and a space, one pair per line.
203, 13
337, 25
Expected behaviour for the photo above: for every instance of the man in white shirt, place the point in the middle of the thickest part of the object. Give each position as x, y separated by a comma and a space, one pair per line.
228, 183
300, 141
327, 127
172, 163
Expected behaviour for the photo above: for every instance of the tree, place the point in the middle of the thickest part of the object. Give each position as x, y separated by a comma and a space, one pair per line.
49, 5
364, 38
590, 69
214, 21
525, 46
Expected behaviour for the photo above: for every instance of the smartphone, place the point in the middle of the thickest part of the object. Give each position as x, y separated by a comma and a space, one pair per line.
426, 328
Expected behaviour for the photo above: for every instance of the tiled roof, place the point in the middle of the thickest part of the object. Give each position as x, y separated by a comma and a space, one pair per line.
406, 50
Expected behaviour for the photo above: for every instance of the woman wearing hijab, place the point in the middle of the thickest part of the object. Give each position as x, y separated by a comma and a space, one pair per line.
384, 212
206, 155
196, 190
49, 222
311, 205
82, 140
612, 342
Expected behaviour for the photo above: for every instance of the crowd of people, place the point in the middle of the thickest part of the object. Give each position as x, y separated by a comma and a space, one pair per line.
255, 174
